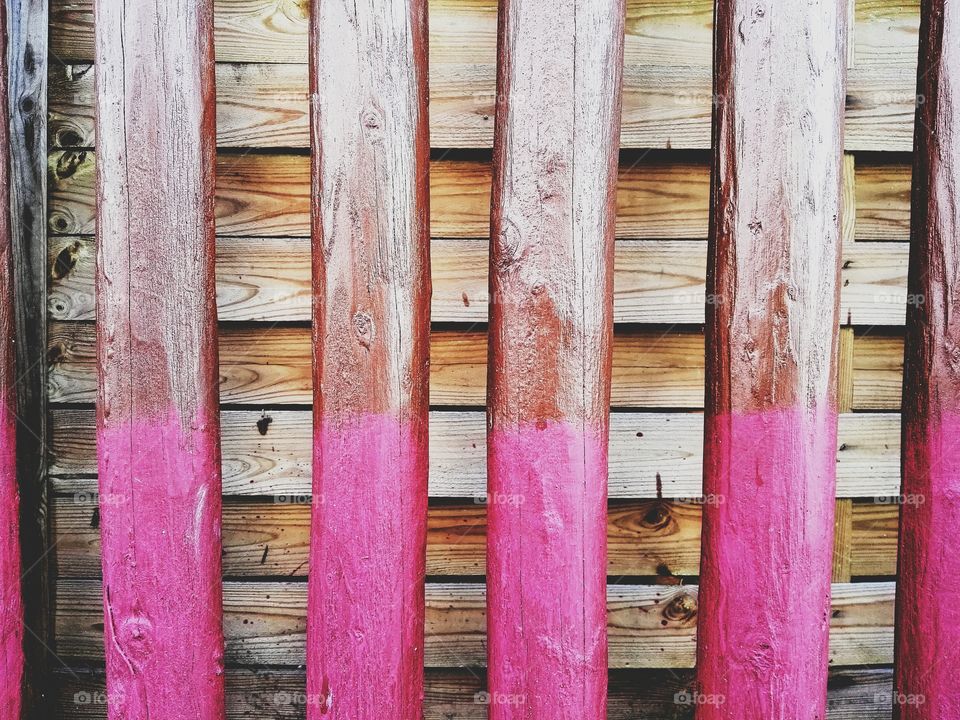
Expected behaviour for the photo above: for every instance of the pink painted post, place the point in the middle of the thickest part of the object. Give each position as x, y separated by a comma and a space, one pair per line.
371, 311
928, 589
771, 414
552, 223
11, 602
157, 410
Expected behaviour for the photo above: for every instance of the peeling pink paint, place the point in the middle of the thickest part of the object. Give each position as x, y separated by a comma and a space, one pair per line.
928, 618
765, 571
547, 503
160, 516
11, 604
368, 555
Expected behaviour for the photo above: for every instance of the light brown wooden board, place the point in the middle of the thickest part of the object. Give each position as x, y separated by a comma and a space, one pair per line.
267, 453
270, 537
279, 694
655, 281
649, 626
463, 32
659, 196
264, 105
652, 368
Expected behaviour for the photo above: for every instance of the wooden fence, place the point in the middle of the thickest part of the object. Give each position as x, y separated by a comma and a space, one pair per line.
591, 281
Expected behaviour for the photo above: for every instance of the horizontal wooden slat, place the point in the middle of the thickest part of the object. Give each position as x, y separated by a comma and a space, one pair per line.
271, 538
264, 105
267, 454
655, 281
271, 365
659, 196
652, 368
464, 31
875, 526
648, 626
280, 694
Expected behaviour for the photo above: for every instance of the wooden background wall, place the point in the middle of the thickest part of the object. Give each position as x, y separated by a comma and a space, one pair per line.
656, 434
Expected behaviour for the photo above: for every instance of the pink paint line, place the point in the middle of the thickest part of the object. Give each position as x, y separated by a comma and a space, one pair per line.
160, 526
11, 604
764, 615
928, 588
368, 559
546, 573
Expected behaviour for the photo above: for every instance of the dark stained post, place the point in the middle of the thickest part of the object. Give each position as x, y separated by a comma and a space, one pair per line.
771, 411
11, 601
552, 223
371, 312
157, 412
928, 588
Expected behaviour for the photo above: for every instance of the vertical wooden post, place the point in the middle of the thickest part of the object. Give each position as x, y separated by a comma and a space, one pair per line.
928, 589
371, 309
771, 413
157, 412
552, 223
11, 601
26, 102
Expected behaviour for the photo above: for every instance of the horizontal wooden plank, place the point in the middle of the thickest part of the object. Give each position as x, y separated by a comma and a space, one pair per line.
652, 368
264, 105
659, 196
271, 538
271, 365
280, 694
655, 281
651, 454
875, 526
649, 626
464, 31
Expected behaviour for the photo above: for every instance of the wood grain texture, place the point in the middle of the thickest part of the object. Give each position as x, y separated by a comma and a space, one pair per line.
854, 694
157, 404
654, 281
265, 105
371, 353
771, 413
27, 54
11, 599
655, 538
928, 628
551, 324
268, 453
649, 626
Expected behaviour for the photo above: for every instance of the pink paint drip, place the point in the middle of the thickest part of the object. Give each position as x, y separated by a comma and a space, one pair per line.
764, 613
928, 591
367, 563
11, 604
160, 525
546, 573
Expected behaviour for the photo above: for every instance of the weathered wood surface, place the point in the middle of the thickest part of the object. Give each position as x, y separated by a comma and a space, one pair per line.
660, 196
279, 694
463, 32
264, 105
652, 367
269, 537
928, 639
11, 599
655, 281
551, 324
157, 405
26, 105
371, 353
268, 453
649, 626
771, 412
